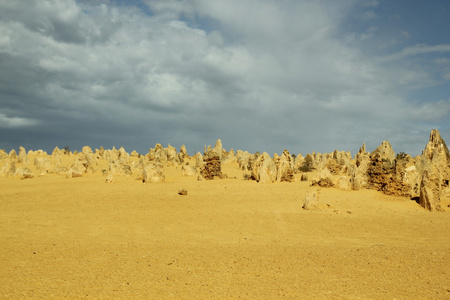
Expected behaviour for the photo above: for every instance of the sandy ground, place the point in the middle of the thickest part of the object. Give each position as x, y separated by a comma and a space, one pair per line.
82, 238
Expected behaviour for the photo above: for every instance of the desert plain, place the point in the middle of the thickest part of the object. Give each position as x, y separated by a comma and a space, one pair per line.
229, 238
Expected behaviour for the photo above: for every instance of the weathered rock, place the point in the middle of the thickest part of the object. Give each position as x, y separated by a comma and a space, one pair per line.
109, 178
359, 173
3, 154
264, 169
385, 173
384, 152
228, 156
43, 165
154, 173
243, 160
13, 155
79, 163
172, 156
304, 177
212, 168
311, 202
57, 151
285, 167
85, 161
338, 163
86, 150
323, 179
309, 163
344, 183
23, 158
111, 155
160, 154
134, 153
199, 162
182, 155
218, 149
298, 162
436, 156
334, 167
9, 168
137, 167
436, 147
188, 171
430, 191
74, 172
23, 173
119, 167
123, 156
406, 176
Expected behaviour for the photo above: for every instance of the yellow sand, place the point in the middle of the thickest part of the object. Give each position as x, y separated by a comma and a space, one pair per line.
82, 238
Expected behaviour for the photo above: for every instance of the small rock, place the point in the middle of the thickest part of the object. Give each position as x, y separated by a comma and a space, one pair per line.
109, 178
311, 202
182, 192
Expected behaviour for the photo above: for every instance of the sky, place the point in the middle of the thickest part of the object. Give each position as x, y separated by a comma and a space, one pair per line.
261, 75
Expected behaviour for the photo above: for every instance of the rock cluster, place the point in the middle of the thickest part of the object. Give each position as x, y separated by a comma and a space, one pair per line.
425, 177
212, 167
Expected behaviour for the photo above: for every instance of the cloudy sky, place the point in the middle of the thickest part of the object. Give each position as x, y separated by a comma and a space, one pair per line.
262, 75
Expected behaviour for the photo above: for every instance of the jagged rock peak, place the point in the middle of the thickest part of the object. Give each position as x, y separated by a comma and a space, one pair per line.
436, 142
218, 148
384, 151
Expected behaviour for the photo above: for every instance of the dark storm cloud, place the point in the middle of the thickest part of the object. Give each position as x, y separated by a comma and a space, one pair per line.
260, 75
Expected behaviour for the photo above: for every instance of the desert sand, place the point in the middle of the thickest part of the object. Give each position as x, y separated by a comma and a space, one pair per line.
230, 238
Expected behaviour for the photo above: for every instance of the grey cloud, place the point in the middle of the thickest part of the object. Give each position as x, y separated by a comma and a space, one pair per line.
271, 75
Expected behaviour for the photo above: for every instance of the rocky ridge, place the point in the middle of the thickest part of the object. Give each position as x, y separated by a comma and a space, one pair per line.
425, 177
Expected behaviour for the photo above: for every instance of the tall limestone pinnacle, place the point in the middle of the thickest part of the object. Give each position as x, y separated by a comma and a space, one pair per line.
436, 171
436, 143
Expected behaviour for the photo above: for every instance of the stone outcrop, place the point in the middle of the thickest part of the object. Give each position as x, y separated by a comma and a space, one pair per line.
74, 172
43, 165
119, 167
426, 177
380, 170
188, 171
23, 157
298, 162
23, 173
324, 178
134, 153
157, 154
242, 157
172, 155
154, 173
109, 178
430, 191
435, 163
8, 169
359, 173
182, 155
199, 162
285, 167
264, 169
308, 164
213, 166
218, 149
311, 202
